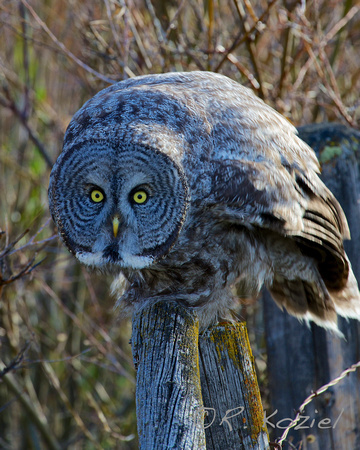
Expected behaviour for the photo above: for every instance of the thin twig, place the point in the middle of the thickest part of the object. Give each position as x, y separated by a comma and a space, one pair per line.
30, 266
161, 35
318, 51
35, 414
174, 19
26, 108
339, 25
283, 70
240, 38
12, 244
10, 248
10, 104
31, 242
210, 30
54, 381
242, 69
89, 334
112, 27
139, 42
249, 45
68, 53
15, 363
333, 88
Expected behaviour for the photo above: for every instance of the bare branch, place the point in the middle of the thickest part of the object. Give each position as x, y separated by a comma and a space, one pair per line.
10, 104
241, 38
68, 53
16, 362
342, 23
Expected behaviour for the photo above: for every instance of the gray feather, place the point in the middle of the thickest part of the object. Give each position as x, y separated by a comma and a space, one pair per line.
233, 200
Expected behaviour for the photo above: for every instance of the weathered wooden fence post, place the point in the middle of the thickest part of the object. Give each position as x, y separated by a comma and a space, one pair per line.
170, 411
300, 360
230, 390
169, 406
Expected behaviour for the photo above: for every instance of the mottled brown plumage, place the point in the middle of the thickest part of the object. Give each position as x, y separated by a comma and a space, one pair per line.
233, 200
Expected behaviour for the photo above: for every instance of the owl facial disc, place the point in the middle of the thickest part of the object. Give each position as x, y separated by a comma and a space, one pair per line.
123, 205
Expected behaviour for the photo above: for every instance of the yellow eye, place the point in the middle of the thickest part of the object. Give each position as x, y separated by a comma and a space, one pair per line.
140, 197
97, 196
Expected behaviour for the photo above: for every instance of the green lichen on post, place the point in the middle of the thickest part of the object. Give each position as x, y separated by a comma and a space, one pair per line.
231, 342
330, 152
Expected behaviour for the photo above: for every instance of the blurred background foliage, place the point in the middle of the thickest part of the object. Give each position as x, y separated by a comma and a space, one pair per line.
66, 376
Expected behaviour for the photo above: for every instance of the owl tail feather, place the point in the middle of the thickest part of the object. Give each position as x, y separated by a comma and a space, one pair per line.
312, 301
347, 301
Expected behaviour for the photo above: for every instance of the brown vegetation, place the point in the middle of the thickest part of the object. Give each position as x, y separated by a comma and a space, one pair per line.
66, 375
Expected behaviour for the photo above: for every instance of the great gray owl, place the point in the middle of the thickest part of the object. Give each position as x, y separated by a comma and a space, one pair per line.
194, 189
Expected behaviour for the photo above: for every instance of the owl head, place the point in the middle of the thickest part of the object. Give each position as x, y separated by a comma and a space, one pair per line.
117, 192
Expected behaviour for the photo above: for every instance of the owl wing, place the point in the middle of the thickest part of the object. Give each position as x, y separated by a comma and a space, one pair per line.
290, 202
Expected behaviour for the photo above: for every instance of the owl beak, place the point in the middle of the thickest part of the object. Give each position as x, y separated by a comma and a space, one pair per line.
115, 224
